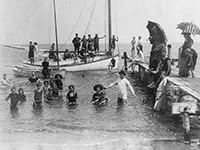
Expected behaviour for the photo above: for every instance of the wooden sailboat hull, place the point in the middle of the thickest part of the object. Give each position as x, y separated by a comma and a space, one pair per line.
98, 64
26, 72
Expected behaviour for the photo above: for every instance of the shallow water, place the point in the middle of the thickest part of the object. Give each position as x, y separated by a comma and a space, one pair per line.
86, 125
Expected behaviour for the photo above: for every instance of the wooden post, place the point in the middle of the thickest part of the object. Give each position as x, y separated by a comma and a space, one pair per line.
125, 57
179, 56
186, 126
109, 28
56, 33
169, 46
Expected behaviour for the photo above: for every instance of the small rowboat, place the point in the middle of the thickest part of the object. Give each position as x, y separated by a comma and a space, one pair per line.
26, 72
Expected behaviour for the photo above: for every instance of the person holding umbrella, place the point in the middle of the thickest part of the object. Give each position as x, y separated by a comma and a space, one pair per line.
188, 56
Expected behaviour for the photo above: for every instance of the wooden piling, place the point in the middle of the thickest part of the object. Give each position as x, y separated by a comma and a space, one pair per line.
186, 126
125, 57
169, 46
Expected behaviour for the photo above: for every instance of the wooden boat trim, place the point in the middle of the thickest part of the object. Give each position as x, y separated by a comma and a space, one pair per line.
66, 65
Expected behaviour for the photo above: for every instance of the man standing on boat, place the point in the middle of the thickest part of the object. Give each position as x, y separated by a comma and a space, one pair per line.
31, 52
96, 43
84, 42
77, 42
113, 40
122, 87
89, 43
52, 53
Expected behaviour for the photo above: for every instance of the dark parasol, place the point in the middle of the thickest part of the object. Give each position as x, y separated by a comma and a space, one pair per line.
157, 34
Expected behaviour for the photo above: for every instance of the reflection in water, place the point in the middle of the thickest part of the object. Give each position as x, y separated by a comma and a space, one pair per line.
120, 107
14, 113
38, 112
85, 117
72, 106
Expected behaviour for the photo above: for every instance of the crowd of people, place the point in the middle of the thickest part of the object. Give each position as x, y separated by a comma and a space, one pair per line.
160, 65
137, 48
86, 47
52, 89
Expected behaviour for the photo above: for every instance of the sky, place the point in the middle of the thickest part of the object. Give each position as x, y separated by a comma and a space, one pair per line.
25, 20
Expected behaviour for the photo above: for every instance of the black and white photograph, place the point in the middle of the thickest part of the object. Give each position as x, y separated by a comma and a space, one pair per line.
100, 74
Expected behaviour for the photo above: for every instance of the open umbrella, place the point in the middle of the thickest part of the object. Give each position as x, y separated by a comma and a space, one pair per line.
157, 31
189, 27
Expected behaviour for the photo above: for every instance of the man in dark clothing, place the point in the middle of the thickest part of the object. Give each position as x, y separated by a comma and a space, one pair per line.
45, 69
84, 42
96, 43
31, 52
52, 54
89, 43
76, 41
113, 40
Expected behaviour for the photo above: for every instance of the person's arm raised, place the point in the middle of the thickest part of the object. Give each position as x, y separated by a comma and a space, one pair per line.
111, 85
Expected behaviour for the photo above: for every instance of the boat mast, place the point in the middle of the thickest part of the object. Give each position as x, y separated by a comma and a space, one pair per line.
109, 28
54, 4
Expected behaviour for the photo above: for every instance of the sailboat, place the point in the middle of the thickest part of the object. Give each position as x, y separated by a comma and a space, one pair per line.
98, 63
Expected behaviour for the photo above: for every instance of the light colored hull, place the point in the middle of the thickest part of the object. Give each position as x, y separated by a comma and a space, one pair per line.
101, 64
23, 72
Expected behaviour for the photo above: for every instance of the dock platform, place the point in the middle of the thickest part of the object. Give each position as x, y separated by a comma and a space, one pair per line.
190, 86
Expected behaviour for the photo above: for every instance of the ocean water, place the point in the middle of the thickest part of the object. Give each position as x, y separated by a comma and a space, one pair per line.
58, 126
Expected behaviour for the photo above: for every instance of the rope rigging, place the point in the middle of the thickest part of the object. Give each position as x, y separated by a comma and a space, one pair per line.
118, 50
105, 24
90, 17
24, 21
50, 24
75, 25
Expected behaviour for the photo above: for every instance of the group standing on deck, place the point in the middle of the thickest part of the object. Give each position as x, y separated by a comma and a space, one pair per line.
86, 47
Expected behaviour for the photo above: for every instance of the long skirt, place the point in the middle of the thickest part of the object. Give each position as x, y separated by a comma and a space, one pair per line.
183, 67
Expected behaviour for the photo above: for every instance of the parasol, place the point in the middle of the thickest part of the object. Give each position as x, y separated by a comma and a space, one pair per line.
189, 27
157, 32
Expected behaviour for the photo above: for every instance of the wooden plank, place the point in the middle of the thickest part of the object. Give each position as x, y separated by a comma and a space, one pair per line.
190, 86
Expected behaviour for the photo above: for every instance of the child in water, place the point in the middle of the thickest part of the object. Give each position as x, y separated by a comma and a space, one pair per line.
5, 81
38, 95
45, 88
21, 94
111, 65
99, 97
49, 95
14, 99
59, 83
72, 95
